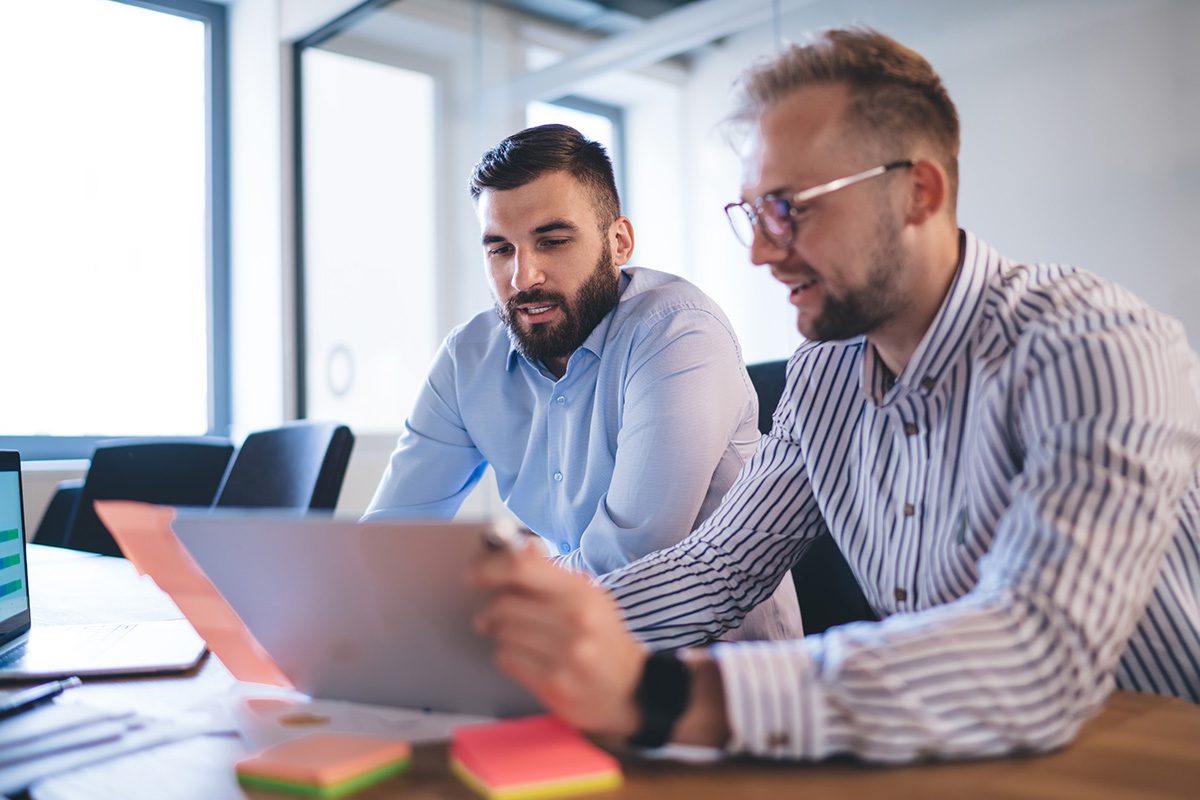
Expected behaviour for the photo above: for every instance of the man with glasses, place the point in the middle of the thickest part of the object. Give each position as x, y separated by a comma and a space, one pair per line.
1007, 454
611, 404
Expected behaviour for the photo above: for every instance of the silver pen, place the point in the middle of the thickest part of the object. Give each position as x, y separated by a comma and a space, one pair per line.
25, 699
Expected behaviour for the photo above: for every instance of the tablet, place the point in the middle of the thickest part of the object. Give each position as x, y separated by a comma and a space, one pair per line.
376, 612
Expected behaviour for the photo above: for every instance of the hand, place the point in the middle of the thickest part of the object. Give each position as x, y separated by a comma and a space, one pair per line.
562, 638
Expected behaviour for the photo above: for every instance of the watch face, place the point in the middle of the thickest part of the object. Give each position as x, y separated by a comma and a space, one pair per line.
662, 697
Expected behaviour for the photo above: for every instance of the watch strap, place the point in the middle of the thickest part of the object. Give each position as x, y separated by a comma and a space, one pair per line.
662, 696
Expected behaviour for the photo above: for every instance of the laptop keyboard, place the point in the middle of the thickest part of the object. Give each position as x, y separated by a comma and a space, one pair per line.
83, 639
12, 656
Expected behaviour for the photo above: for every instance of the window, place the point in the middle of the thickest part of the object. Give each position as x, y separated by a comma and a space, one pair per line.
370, 261
596, 121
113, 205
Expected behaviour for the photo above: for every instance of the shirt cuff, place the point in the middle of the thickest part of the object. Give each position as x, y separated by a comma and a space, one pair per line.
772, 700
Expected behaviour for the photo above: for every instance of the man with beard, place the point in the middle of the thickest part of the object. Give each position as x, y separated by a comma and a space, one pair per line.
1007, 454
611, 404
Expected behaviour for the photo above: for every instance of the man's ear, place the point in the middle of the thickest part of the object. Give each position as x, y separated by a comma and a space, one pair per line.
620, 240
929, 191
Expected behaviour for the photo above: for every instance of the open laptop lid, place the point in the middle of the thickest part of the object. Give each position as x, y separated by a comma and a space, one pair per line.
14, 573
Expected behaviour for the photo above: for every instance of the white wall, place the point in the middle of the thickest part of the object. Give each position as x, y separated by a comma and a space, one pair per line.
260, 248
39, 481
1079, 144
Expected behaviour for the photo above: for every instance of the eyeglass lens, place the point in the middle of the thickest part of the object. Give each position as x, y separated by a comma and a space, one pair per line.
776, 215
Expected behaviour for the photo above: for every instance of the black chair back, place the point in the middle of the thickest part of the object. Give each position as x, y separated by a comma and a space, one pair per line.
300, 465
60, 514
768, 378
178, 473
828, 593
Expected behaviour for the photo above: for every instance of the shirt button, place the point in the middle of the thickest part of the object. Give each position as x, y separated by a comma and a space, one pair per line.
909, 509
561, 399
565, 548
910, 429
558, 476
927, 383
901, 595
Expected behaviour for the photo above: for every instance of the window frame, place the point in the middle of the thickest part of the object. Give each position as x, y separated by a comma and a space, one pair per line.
217, 279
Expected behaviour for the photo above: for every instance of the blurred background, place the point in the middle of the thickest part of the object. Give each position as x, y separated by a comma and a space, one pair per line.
216, 217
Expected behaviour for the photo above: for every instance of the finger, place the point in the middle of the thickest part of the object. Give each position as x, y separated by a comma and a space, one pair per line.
523, 569
491, 569
537, 643
553, 685
517, 613
533, 573
525, 666
557, 690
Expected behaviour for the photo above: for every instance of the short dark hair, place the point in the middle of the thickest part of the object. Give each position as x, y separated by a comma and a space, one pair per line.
894, 92
534, 152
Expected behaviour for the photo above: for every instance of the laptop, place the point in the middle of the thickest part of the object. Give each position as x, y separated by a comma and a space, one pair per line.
376, 612
30, 651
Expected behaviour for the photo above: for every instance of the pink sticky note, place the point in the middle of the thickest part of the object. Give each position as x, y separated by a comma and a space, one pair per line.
144, 535
530, 757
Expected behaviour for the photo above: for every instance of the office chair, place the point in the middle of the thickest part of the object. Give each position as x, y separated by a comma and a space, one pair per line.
300, 465
768, 378
828, 593
60, 514
183, 472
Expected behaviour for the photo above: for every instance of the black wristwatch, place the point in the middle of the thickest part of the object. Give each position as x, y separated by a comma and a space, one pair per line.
662, 696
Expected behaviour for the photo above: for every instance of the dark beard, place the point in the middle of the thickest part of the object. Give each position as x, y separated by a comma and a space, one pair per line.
595, 298
861, 312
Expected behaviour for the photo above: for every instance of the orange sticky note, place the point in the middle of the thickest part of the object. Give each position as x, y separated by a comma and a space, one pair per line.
144, 534
325, 764
531, 757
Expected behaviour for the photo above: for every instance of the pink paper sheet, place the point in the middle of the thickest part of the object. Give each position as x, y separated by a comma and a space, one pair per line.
144, 535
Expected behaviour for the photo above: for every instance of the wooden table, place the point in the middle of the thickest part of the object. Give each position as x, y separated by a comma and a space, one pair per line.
1139, 746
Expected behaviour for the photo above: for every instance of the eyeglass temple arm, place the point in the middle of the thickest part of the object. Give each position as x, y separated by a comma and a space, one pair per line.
841, 183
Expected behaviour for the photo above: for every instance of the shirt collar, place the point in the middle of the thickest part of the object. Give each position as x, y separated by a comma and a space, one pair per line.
947, 335
594, 343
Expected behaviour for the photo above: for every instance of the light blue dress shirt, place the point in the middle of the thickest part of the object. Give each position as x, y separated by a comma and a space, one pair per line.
624, 454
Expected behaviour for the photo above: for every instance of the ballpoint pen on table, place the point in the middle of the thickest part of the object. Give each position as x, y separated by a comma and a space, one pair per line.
25, 699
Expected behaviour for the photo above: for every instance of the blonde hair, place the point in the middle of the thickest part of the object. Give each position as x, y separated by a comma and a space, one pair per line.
895, 95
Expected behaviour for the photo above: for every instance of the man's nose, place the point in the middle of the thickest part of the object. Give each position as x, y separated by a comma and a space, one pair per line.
764, 251
527, 272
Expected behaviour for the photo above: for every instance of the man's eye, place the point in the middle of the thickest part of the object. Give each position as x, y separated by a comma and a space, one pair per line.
501, 250
554, 242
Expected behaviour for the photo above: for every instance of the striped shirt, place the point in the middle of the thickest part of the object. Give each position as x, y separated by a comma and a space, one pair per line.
1021, 505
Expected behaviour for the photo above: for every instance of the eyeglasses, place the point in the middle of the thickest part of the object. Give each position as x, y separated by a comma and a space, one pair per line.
776, 216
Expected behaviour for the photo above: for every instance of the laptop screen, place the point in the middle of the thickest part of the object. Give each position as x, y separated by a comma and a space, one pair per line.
14, 589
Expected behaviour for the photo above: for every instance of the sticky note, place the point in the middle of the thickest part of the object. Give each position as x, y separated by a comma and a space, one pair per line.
530, 758
325, 764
